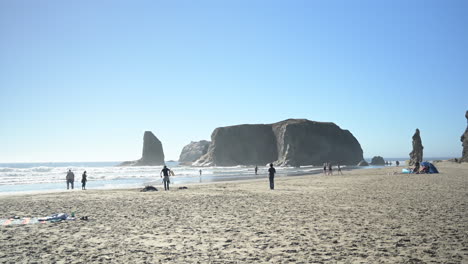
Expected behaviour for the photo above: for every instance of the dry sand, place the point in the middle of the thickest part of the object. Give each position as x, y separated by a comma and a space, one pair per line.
364, 216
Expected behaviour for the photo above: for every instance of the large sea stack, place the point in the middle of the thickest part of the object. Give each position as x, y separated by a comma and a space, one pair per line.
153, 153
240, 145
193, 151
417, 154
464, 140
292, 142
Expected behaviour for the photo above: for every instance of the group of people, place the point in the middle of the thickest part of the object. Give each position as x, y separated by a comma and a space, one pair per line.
71, 180
165, 174
328, 168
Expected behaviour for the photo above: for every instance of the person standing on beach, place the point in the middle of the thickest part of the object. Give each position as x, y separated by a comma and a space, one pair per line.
271, 172
339, 169
84, 179
397, 163
166, 181
256, 170
70, 179
330, 172
325, 168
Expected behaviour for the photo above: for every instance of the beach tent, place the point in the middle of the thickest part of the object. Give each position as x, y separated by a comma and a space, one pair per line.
432, 168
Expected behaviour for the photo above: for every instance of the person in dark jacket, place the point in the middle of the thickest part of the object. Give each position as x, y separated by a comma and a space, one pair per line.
166, 181
84, 179
70, 179
271, 172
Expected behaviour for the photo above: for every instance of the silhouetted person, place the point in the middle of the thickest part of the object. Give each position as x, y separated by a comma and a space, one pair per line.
166, 181
339, 169
271, 172
325, 168
330, 171
256, 170
200, 172
397, 163
84, 179
70, 179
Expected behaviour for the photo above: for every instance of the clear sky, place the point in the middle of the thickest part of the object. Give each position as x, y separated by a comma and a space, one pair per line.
82, 80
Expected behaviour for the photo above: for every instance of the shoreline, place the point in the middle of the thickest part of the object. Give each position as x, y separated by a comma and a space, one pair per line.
207, 180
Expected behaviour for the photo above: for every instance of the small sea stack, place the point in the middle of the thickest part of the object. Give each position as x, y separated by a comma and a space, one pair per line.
193, 151
417, 154
377, 160
153, 154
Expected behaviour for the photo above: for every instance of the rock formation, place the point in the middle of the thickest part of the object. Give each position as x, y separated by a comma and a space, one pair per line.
193, 151
240, 145
153, 153
377, 160
464, 140
363, 163
417, 154
292, 142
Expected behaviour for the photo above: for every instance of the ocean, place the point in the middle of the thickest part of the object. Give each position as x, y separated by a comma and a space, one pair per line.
49, 176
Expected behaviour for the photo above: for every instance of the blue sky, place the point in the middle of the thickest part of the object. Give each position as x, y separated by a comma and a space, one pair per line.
82, 80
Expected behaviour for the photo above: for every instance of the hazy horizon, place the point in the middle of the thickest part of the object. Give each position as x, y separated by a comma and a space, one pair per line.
84, 80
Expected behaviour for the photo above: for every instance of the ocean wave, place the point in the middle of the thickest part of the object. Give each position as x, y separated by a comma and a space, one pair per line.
42, 169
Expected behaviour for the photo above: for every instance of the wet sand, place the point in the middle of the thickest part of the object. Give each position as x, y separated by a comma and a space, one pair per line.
364, 216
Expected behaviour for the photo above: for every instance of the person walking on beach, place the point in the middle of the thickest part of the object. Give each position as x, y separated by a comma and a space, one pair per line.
271, 172
256, 170
325, 168
84, 179
166, 181
339, 169
70, 179
330, 172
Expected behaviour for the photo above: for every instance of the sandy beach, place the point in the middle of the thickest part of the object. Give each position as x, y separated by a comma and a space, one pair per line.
364, 216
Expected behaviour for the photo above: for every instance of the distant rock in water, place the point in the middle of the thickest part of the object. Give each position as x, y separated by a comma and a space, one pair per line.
363, 163
464, 140
193, 151
377, 160
292, 142
153, 153
417, 154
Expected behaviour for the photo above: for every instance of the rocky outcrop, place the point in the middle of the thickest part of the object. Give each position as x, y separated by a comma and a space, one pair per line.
363, 163
193, 151
240, 145
464, 140
153, 153
292, 142
417, 154
377, 160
